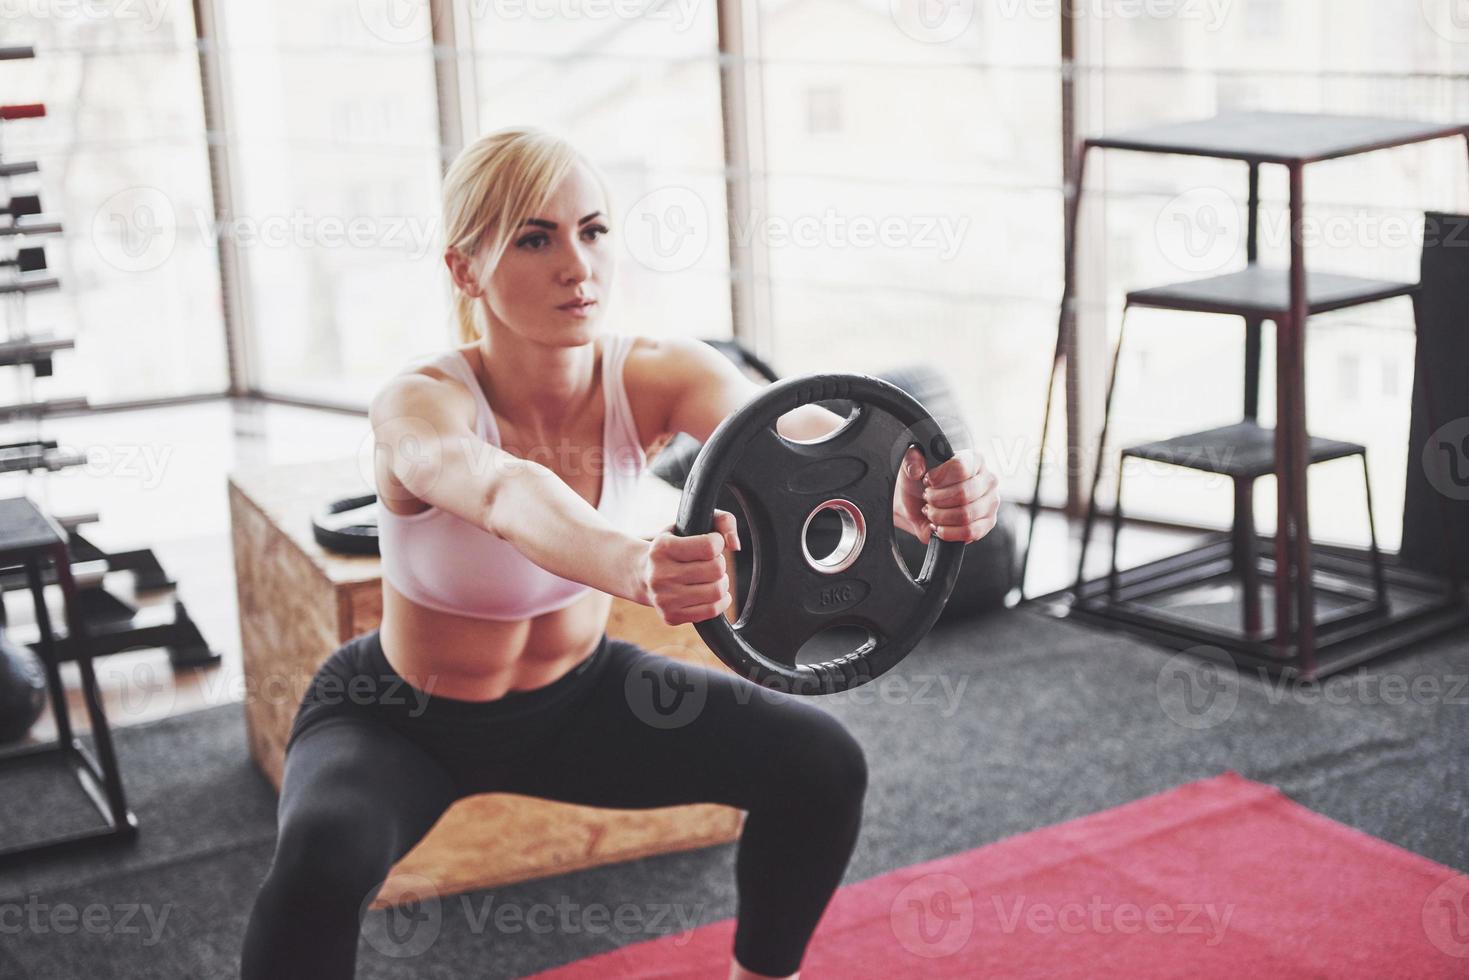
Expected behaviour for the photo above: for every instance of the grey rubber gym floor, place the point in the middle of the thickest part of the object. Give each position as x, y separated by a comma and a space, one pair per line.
993, 726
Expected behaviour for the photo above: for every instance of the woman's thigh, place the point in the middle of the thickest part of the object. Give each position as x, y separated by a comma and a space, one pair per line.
357, 795
660, 732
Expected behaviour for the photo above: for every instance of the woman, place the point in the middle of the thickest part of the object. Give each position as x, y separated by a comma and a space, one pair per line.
505, 469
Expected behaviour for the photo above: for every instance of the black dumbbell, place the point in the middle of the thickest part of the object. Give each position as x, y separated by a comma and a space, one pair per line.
31, 259
22, 204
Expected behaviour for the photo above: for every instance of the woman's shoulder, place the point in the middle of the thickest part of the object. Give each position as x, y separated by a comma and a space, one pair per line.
650, 358
439, 366
429, 377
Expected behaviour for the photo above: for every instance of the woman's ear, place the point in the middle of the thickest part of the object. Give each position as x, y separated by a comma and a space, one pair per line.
461, 269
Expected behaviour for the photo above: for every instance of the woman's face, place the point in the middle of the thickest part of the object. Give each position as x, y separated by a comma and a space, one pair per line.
556, 272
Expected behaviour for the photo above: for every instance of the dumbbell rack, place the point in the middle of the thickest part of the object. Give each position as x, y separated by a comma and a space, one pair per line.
113, 624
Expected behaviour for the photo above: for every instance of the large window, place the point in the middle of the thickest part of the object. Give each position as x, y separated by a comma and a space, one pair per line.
636, 87
913, 206
124, 166
333, 141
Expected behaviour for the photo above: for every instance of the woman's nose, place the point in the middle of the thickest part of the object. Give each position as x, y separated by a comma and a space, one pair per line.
578, 266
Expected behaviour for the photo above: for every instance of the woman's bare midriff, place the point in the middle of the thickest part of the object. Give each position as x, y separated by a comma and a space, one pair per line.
479, 660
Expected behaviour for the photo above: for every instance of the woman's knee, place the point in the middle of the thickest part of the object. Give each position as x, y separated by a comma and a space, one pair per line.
330, 851
826, 760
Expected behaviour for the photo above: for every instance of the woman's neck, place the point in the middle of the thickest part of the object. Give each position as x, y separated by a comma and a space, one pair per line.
540, 390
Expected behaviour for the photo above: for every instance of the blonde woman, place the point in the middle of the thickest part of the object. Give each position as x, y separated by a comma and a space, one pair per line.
506, 469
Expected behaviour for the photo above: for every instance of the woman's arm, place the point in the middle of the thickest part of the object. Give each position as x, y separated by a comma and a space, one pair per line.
425, 448
706, 387
554, 526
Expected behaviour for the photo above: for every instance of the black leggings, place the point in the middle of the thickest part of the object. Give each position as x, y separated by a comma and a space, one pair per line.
372, 763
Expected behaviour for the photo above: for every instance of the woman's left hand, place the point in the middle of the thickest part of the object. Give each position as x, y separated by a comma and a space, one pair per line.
958, 500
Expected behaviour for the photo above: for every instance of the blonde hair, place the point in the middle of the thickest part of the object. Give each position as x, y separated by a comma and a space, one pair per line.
492, 186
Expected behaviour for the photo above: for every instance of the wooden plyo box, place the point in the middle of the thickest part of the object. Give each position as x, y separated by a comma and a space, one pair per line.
298, 603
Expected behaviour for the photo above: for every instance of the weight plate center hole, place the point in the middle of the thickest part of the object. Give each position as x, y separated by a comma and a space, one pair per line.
832, 537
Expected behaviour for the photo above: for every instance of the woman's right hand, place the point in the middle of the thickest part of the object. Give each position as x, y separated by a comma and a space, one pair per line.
684, 578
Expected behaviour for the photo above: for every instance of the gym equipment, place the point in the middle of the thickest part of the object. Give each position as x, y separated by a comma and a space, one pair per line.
35, 350
31, 259
34, 110
113, 624
29, 410
36, 455
348, 525
22, 205
22, 689
37, 224
30, 267
781, 487
1327, 614
1436, 504
29, 283
990, 570
33, 540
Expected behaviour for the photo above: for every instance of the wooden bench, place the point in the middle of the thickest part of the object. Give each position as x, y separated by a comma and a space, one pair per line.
298, 603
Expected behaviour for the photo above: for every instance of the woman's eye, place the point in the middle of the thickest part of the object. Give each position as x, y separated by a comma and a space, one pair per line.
537, 239
600, 229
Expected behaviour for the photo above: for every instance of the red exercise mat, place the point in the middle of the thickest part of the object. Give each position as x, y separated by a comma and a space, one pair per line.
1221, 878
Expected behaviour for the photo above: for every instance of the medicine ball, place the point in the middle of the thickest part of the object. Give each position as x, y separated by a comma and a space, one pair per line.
22, 689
